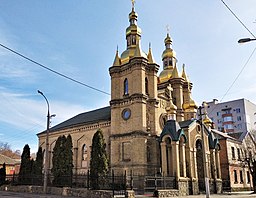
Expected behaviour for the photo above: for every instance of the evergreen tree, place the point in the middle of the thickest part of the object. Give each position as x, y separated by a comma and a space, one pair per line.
26, 166
37, 167
62, 161
2, 174
69, 160
99, 161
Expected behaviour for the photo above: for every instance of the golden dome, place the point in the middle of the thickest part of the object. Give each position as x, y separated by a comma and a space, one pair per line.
133, 29
129, 53
168, 53
191, 106
165, 75
207, 120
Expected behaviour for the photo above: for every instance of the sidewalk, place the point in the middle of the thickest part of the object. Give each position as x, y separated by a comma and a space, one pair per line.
246, 194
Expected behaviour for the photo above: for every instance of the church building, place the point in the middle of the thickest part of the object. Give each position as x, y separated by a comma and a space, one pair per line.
150, 125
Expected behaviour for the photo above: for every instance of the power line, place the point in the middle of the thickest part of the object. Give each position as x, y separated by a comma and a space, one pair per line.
51, 70
238, 18
239, 73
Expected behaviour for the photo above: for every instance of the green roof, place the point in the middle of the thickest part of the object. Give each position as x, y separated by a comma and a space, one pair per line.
7, 160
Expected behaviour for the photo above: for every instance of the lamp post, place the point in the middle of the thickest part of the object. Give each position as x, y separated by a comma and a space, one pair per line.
205, 164
245, 40
46, 164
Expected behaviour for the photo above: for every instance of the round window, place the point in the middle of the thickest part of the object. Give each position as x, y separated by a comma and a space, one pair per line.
126, 114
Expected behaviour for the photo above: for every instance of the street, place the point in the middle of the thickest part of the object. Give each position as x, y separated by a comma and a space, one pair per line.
5, 194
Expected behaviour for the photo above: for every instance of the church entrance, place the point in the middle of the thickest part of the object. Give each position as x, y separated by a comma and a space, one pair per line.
200, 165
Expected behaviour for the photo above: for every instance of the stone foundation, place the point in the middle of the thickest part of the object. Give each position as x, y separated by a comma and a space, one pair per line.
66, 191
194, 186
183, 187
167, 193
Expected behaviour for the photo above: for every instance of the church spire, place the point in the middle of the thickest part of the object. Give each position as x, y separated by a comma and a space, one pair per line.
117, 60
150, 55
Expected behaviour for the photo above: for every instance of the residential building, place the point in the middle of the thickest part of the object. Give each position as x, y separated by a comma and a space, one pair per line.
234, 116
12, 165
235, 172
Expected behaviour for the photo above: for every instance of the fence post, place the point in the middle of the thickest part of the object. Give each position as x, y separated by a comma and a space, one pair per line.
131, 180
125, 181
113, 183
88, 179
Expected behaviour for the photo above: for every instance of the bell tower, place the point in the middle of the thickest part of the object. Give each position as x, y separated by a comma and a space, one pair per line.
133, 105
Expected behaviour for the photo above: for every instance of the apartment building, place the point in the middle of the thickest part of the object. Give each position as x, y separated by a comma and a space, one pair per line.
236, 116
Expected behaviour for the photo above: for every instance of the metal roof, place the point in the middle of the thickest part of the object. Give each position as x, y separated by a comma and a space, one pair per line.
98, 115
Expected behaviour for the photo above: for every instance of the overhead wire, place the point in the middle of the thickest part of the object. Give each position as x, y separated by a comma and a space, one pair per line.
53, 71
248, 57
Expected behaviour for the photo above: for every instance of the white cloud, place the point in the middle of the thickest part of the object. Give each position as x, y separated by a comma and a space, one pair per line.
23, 112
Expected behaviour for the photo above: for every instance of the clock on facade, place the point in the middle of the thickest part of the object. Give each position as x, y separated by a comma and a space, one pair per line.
126, 114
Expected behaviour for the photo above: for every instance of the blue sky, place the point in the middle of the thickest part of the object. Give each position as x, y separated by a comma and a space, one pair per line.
79, 39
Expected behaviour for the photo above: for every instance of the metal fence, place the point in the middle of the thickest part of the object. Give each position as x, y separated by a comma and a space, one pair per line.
118, 184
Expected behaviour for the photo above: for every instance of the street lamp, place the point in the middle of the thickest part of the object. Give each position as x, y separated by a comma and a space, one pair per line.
205, 163
46, 144
245, 40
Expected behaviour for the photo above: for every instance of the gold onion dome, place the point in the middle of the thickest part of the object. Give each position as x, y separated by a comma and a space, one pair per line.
133, 34
190, 106
207, 121
168, 52
165, 75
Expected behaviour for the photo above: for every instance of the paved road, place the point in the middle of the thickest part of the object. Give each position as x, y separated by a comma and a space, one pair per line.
7, 194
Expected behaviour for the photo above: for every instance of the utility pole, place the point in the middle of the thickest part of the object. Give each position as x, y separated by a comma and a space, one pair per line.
205, 163
46, 164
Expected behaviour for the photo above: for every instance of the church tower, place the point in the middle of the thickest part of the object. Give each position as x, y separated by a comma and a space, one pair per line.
134, 106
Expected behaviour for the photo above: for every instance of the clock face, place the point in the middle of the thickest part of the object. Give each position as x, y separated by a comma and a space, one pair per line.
126, 114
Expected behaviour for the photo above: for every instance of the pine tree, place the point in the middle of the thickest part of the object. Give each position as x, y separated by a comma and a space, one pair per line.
37, 167
26, 166
69, 160
62, 161
99, 161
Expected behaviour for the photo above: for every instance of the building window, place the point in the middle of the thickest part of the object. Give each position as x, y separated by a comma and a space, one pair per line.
235, 177
126, 151
228, 126
84, 156
228, 119
248, 177
218, 113
219, 121
238, 154
146, 85
239, 126
241, 177
125, 86
233, 152
237, 110
239, 118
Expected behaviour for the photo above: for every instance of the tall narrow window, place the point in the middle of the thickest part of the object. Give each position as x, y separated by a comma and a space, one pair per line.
84, 156
248, 177
146, 85
241, 177
235, 176
125, 86
233, 153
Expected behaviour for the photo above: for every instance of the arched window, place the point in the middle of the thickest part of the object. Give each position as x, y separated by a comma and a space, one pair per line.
146, 85
84, 156
125, 86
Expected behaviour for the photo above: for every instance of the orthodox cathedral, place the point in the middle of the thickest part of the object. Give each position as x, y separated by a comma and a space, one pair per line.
150, 125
